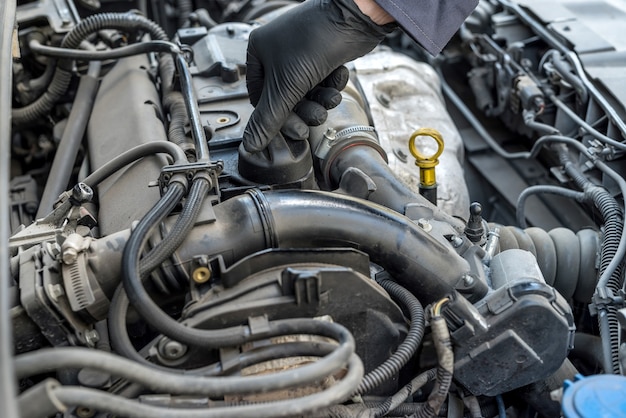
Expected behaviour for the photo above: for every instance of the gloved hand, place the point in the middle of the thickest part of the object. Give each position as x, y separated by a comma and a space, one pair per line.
297, 56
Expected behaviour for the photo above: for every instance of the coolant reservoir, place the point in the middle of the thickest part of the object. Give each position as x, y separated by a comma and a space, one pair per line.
595, 397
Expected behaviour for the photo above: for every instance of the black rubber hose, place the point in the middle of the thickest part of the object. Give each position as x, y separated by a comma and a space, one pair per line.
533, 190
117, 405
120, 341
403, 394
40, 400
7, 379
36, 86
175, 103
191, 104
117, 53
185, 8
205, 19
407, 349
620, 253
613, 229
51, 359
589, 348
65, 156
184, 223
129, 22
132, 155
123, 346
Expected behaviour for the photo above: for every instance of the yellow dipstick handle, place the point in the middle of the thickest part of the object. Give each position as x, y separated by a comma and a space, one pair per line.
428, 180
426, 164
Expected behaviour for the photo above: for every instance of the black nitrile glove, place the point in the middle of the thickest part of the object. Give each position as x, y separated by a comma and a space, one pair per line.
297, 56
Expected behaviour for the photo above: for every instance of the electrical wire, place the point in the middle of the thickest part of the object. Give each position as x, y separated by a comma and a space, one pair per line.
570, 55
407, 349
533, 190
613, 245
478, 126
398, 398
501, 407
587, 127
445, 358
619, 180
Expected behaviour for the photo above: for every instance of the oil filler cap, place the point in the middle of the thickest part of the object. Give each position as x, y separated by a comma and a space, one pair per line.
597, 396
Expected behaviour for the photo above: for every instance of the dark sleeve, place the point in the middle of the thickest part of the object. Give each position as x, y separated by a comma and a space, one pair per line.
430, 22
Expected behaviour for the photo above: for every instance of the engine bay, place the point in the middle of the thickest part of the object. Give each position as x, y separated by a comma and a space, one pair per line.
448, 242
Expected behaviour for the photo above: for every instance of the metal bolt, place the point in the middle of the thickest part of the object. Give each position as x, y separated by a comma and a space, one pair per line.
55, 290
384, 99
92, 337
468, 280
456, 241
330, 134
84, 412
424, 224
82, 193
172, 350
402, 156
69, 255
72, 245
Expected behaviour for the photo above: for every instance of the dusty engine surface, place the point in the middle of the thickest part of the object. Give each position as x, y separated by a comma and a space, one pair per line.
157, 268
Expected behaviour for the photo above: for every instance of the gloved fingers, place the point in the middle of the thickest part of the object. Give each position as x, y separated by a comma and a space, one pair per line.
326, 96
312, 113
266, 120
295, 128
337, 79
255, 75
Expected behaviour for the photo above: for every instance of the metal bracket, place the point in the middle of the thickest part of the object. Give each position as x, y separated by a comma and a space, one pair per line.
213, 168
601, 302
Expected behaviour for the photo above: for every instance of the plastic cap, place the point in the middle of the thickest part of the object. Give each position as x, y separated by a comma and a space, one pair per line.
595, 397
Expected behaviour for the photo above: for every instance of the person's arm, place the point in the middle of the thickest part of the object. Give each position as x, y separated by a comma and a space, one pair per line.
430, 22
372, 10
294, 65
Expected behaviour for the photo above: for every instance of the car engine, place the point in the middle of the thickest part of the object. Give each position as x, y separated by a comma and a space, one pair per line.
448, 242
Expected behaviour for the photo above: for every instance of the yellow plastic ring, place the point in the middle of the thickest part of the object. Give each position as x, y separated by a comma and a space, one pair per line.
434, 134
